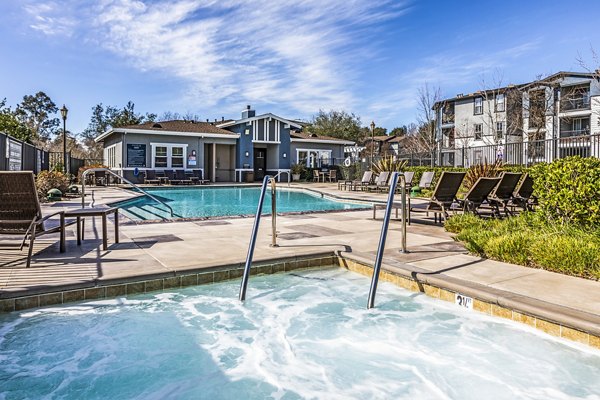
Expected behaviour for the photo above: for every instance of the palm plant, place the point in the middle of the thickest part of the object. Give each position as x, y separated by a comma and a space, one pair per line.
389, 164
484, 169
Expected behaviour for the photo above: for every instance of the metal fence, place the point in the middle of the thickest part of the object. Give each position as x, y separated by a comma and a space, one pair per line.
16, 155
523, 153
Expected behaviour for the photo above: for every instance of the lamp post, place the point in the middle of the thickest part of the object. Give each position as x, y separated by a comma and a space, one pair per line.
372, 142
63, 113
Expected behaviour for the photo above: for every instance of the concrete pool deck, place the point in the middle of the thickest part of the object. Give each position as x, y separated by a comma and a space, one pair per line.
174, 251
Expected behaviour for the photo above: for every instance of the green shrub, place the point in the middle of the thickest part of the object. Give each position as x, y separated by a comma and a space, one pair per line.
573, 254
568, 190
47, 180
531, 240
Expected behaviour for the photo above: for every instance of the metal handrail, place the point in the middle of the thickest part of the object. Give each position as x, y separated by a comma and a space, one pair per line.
87, 171
283, 172
252, 244
384, 230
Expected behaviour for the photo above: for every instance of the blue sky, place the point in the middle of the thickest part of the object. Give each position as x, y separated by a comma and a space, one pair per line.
288, 57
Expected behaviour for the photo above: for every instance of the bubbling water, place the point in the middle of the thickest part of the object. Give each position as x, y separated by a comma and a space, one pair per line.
300, 335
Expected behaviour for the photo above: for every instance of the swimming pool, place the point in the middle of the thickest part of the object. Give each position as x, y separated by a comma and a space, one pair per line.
199, 202
300, 335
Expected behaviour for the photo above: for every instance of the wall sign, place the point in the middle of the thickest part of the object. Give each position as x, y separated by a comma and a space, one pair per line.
463, 301
192, 160
136, 155
14, 153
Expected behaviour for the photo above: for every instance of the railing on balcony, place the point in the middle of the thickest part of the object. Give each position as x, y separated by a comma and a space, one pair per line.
574, 133
581, 102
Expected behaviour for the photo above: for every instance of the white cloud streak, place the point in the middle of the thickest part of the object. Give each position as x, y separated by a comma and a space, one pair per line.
301, 54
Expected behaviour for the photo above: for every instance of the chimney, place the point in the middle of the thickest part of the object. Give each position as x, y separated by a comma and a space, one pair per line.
206, 119
222, 119
248, 112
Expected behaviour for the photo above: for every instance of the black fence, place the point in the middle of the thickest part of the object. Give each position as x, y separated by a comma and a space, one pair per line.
523, 153
16, 155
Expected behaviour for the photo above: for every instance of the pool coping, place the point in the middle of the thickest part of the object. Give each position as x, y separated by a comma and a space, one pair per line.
555, 320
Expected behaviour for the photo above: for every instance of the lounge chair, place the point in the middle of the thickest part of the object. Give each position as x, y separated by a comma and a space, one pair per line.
443, 196
523, 196
408, 177
364, 182
198, 177
380, 181
100, 178
478, 194
180, 176
21, 214
151, 178
426, 180
171, 177
503, 193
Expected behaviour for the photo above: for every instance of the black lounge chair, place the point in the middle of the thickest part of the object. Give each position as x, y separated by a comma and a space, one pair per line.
523, 196
151, 178
21, 214
180, 176
478, 194
503, 193
197, 177
443, 196
171, 177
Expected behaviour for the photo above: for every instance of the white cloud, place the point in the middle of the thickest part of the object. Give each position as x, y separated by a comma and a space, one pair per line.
298, 53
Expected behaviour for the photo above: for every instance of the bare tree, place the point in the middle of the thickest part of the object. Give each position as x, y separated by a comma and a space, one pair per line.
426, 139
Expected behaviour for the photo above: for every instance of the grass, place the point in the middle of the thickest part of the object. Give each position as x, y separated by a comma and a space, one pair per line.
530, 240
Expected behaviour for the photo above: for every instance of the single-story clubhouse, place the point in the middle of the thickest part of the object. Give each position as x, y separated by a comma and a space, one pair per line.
225, 150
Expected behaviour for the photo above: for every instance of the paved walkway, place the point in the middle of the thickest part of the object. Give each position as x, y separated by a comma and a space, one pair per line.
153, 249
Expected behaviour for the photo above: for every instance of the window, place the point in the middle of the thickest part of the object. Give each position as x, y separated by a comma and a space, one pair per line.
478, 105
160, 157
313, 158
500, 102
499, 130
177, 157
166, 155
478, 131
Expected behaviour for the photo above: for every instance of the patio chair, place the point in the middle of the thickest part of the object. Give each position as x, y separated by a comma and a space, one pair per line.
380, 181
316, 176
442, 198
503, 193
523, 196
408, 177
100, 178
332, 175
21, 214
478, 194
171, 177
150, 177
364, 182
180, 176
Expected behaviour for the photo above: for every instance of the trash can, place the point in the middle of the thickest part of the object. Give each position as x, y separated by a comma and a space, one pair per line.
249, 177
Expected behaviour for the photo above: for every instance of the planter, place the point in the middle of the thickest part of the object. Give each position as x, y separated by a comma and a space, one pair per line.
296, 177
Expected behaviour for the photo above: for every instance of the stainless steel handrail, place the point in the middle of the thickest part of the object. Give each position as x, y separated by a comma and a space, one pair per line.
252, 244
88, 171
289, 176
384, 231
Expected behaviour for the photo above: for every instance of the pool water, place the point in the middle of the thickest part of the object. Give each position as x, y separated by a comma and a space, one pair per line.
300, 335
224, 201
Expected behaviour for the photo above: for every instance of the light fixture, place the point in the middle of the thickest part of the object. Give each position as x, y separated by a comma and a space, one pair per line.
247, 154
63, 113
284, 155
247, 131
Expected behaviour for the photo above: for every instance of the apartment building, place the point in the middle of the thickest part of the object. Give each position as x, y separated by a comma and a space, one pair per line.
537, 121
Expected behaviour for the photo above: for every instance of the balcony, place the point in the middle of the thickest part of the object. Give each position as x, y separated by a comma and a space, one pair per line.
581, 102
574, 133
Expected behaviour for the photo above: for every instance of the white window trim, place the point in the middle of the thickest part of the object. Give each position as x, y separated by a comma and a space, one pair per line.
318, 151
169, 147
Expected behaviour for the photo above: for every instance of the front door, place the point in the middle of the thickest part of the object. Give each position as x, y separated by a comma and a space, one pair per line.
260, 163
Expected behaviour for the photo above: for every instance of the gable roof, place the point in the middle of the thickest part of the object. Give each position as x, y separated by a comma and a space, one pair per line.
257, 117
175, 126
